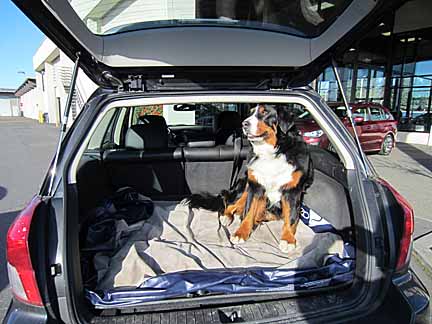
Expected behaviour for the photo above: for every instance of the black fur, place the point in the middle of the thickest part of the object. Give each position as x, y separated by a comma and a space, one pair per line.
291, 144
217, 203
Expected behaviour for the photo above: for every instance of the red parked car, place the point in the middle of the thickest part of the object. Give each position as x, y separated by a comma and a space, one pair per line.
376, 127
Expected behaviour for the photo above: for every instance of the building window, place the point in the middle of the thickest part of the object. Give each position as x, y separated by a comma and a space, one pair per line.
327, 85
411, 92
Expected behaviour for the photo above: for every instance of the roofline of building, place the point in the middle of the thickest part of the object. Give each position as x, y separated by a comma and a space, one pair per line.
7, 91
46, 53
26, 86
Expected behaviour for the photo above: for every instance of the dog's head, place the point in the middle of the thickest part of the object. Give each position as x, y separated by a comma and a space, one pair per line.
266, 122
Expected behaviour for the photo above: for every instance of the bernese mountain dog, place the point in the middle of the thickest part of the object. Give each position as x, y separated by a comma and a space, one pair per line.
278, 173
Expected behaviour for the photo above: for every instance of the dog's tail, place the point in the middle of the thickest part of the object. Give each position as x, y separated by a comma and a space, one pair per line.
216, 203
207, 201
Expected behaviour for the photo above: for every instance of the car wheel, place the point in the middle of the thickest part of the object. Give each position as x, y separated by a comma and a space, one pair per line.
387, 145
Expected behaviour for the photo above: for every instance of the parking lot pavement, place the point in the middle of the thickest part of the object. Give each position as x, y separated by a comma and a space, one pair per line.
26, 150
409, 170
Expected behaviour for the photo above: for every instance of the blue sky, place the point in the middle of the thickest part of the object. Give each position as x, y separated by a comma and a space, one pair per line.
19, 40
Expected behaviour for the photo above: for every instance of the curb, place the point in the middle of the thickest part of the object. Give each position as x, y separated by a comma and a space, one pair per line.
422, 254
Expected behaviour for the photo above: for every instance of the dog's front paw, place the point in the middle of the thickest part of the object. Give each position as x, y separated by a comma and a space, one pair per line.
226, 220
237, 239
286, 247
240, 236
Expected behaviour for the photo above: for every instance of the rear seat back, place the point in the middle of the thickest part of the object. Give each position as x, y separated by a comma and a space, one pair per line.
161, 172
172, 172
213, 154
208, 169
151, 133
148, 164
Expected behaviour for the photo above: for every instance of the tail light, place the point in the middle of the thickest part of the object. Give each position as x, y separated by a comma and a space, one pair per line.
20, 270
408, 228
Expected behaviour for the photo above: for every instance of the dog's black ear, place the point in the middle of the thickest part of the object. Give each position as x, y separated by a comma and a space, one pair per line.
285, 118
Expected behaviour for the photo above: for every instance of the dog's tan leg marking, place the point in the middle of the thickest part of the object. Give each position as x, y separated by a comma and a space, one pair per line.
266, 217
237, 208
257, 208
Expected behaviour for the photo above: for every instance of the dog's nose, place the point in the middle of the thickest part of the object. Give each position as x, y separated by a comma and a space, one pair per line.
246, 123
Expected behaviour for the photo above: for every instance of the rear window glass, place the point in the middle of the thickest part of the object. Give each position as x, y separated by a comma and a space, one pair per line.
340, 111
185, 114
300, 112
307, 18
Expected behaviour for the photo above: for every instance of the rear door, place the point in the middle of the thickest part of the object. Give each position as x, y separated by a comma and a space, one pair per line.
379, 126
294, 39
364, 129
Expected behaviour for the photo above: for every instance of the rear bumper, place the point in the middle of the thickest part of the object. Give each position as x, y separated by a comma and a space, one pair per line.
407, 301
417, 297
19, 312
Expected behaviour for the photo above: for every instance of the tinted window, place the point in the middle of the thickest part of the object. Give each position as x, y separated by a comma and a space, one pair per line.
361, 112
140, 111
101, 132
307, 18
300, 112
184, 114
206, 114
376, 114
340, 111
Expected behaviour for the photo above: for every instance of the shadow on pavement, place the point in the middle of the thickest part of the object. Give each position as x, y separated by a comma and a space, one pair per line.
5, 220
416, 154
3, 192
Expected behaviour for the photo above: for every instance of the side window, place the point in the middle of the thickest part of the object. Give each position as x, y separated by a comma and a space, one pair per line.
340, 111
376, 114
361, 112
98, 136
119, 127
109, 132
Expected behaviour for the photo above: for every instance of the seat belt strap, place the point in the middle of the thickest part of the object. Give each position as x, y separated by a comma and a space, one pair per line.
237, 163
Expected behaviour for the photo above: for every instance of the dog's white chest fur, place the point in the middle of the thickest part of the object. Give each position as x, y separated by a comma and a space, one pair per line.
272, 172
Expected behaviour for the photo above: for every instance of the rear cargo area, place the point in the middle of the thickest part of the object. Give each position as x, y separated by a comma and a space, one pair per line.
140, 243
137, 249
176, 252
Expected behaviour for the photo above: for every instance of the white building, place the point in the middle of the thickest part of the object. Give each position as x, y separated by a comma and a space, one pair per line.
53, 77
8, 103
28, 103
54, 69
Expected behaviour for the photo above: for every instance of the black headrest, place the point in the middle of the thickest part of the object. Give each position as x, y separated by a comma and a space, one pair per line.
228, 123
228, 120
150, 134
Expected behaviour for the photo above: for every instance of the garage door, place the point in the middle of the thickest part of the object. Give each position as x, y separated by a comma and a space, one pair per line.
5, 107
